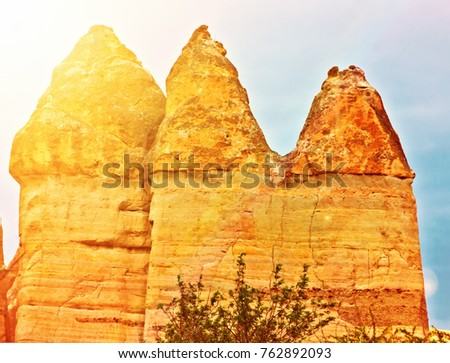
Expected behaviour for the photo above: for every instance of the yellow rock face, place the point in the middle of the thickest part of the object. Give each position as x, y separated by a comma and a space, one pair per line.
86, 247
208, 113
95, 261
112, 91
360, 241
1, 245
101, 104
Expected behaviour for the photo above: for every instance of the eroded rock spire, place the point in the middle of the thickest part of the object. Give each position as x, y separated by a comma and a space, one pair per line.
348, 120
208, 112
100, 104
84, 246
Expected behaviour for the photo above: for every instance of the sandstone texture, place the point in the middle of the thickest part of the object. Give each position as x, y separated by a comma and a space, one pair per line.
208, 113
96, 259
82, 275
358, 233
347, 119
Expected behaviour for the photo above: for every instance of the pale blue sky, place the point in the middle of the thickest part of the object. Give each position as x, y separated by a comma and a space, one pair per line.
282, 53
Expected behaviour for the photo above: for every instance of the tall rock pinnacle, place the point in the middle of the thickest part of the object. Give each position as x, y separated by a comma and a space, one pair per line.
208, 111
111, 89
85, 246
348, 120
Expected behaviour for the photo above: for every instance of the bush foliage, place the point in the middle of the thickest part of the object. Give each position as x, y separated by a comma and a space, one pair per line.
279, 314
389, 334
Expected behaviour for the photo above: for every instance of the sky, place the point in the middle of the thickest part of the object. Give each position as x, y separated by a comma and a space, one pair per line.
282, 51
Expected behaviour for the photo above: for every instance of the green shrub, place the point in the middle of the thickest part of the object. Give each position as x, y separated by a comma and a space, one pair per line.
278, 314
390, 334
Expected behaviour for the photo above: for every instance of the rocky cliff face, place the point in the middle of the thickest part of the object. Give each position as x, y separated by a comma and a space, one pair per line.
101, 248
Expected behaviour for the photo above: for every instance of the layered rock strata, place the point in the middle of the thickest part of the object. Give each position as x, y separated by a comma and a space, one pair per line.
100, 248
85, 239
207, 136
7, 316
367, 231
341, 202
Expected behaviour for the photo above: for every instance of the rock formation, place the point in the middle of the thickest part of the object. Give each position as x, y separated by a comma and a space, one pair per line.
7, 277
3, 303
207, 111
363, 237
82, 276
100, 248
347, 118
358, 232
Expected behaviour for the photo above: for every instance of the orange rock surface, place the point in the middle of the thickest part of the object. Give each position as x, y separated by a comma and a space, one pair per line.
348, 119
358, 232
3, 290
96, 259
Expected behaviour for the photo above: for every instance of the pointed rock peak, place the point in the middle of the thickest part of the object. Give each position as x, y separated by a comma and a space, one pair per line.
100, 92
203, 72
208, 112
201, 34
99, 42
351, 77
201, 37
102, 84
348, 122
